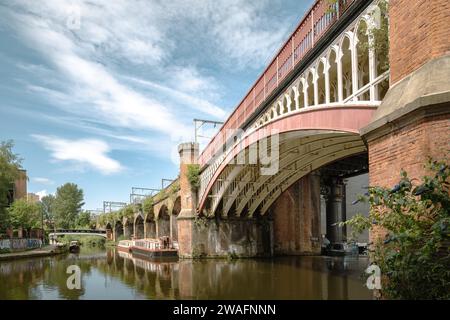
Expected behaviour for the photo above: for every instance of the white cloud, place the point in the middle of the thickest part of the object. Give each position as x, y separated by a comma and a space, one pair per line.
41, 194
177, 94
157, 44
45, 181
125, 28
189, 79
245, 34
241, 33
83, 80
86, 152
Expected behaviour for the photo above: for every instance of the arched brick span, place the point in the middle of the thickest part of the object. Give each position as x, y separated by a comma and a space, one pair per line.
139, 228
150, 225
174, 215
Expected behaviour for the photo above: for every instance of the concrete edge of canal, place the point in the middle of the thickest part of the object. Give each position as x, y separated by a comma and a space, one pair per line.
39, 252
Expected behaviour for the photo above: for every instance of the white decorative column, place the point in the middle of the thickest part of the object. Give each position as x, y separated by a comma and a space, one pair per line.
288, 102
316, 86
340, 84
326, 72
372, 70
354, 54
305, 93
296, 96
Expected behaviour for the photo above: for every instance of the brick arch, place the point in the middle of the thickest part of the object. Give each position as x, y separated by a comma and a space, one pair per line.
139, 226
150, 225
128, 227
138, 216
163, 221
118, 229
176, 209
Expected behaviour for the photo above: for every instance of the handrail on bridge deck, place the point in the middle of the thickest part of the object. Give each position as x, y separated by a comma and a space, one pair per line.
78, 231
312, 27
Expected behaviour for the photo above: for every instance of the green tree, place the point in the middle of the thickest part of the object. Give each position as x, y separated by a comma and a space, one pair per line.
25, 214
67, 205
48, 203
10, 165
84, 220
414, 255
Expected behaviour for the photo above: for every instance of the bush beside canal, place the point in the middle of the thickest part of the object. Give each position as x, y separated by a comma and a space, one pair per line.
85, 240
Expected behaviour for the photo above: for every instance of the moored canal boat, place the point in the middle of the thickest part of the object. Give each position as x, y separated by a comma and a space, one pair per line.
74, 247
154, 248
125, 245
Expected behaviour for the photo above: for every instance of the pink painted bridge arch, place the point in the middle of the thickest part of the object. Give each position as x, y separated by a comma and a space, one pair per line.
306, 140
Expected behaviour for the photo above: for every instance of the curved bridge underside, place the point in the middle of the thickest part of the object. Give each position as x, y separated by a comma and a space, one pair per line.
307, 140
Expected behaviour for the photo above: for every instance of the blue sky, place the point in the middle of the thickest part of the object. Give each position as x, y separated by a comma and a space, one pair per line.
100, 93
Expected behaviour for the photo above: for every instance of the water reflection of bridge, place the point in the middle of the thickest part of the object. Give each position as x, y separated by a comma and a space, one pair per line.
302, 278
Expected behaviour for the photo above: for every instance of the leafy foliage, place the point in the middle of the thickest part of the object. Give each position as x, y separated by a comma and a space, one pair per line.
10, 165
67, 205
147, 204
193, 175
379, 36
84, 220
25, 214
414, 256
128, 211
48, 207
175, 187
91, 241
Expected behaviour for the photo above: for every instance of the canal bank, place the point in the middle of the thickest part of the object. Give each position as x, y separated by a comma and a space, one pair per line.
45, 251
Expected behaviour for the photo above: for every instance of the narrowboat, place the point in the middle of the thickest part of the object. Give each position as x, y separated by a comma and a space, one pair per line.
154, 248
74, 247
125, 245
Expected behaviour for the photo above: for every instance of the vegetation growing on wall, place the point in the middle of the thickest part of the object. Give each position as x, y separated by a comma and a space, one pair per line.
128, 211
147, 204
193, 175
174, 188
201, 222
414, 256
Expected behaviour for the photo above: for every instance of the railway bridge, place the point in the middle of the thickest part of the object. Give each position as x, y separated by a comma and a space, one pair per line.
358, 88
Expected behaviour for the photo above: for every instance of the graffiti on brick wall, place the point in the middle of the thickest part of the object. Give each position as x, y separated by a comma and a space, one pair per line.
20, 244
5, 244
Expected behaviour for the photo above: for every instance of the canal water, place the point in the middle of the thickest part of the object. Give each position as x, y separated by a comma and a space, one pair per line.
108, 274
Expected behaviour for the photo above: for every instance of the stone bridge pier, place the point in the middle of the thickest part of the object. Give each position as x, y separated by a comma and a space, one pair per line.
296, 218
201, 236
